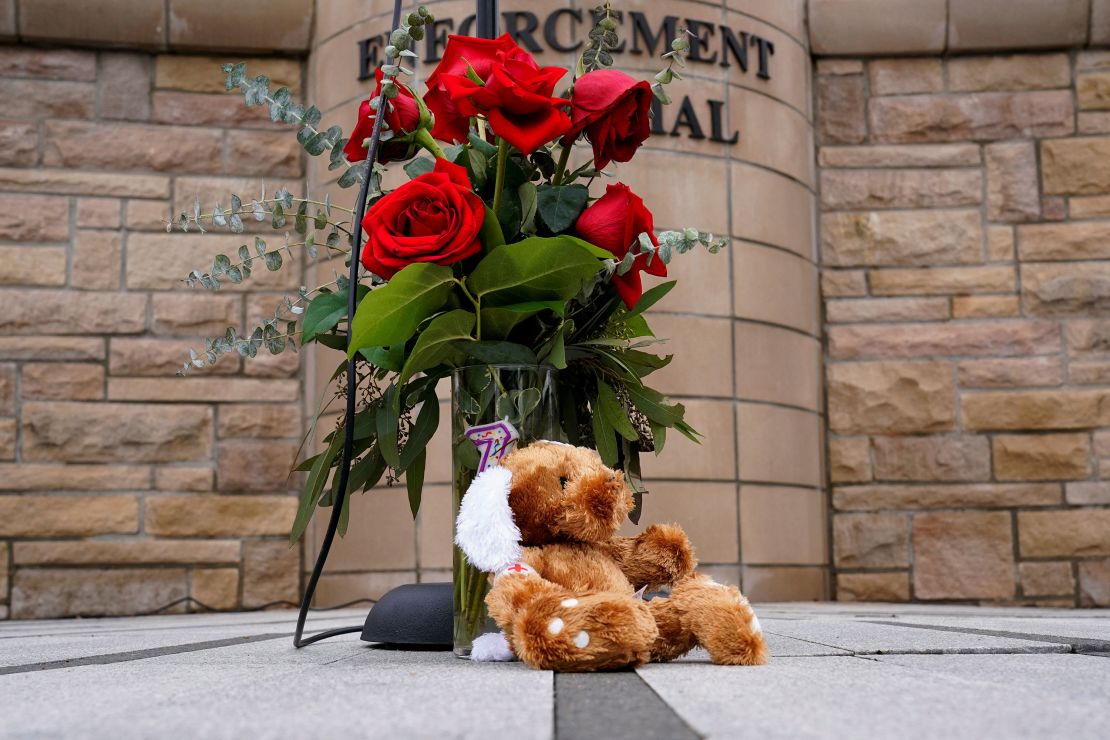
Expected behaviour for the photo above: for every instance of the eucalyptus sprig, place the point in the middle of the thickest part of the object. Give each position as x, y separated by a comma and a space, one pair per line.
670, 242
600, 43
680, 50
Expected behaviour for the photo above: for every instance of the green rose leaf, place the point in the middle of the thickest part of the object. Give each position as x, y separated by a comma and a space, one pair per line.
419, 166
499, 321
614, 412
491, 233
437, 341
414, 481
427, 421
325, 311
560, 205
499, 353
391, 314
651, 297
387, 426
536, 269
605, 439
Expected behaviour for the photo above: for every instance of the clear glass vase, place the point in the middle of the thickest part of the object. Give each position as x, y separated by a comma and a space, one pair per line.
524, 396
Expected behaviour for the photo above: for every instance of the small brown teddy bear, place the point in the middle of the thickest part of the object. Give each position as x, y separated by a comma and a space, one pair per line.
569, 599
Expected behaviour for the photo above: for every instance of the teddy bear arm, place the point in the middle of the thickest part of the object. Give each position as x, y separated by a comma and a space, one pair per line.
661, 555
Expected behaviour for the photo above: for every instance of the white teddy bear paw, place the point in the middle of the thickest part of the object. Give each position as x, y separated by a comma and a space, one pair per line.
491, 648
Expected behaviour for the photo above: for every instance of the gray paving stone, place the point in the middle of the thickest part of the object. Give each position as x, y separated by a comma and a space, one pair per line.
1075, 625
863, 637
837, 697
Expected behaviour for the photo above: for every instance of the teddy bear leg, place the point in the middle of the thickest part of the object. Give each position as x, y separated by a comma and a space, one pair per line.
675, 637
721, 620
584, 633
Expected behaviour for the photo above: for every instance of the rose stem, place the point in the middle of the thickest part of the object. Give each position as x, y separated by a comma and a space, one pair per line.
424, 139
499, 183
564, 158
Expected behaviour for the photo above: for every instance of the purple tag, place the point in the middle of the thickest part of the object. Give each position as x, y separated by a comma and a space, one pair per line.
494, 441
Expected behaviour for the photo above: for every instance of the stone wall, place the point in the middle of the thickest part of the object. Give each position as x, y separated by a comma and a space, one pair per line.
122, 487
964, 239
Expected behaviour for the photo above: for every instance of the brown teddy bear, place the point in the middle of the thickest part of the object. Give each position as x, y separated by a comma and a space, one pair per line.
566, 592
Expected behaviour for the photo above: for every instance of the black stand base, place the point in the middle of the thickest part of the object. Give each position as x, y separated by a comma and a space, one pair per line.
413, 614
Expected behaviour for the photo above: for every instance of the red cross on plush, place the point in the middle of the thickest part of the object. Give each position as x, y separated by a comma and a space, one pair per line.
518, 569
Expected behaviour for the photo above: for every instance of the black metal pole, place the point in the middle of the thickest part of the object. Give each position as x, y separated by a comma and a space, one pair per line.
485, 18
352, 390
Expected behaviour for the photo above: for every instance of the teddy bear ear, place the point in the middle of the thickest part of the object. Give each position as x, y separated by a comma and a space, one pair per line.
485, 530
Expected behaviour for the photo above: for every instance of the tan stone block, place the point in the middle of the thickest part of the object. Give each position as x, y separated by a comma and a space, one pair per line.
48, 64
1093, 206
1068, 289
849, 459
52, 593
271, 572
963, 555
985, 306
790, 151
1087, 337
1000, 243
1094, 583
259, 420
771, 583
1076, 166
386, 532
434, 526
8, 431
33, 266
161, 261
979, 116
782, 526
1100, 34
96, 183
776, 445
835, 283
37, 99
1042, 457
160, 148
871, 540
219, 516
1012, 192
96, 260
942, 280
202, 73
147, 215
1054, 208
1087, 492
186, 314
842, 27
263, 153
697, 342
789, 15
68, 516
672, 213
130, 23
1093, 123
1092, 91
19, 143
34, 477
1068, 241
64, 312
972, 338
1046, 579
1070, 533
109, 432
1028, 410
916, 155
207, 389
772, 364
34, 218
710, 523
215, 588
199, 24
900, 76
831, 66
124, 82
62, 382
1003, 24
947, 458
4, 574
714, 459
168, 478
1089, 373
195, 109
873, 587
130, 551
853, 310
841, 110
890, 397
1010, 373
161, 357
846, 190
256, 466
776, 287
951, 496
1014, 72
342, 588
98, 213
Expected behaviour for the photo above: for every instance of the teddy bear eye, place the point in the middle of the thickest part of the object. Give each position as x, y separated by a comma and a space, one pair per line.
562, 481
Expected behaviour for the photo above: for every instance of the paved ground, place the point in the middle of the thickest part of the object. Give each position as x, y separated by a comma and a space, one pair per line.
853, 671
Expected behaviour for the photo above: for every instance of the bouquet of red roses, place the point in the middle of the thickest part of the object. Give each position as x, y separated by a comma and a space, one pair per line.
497, 250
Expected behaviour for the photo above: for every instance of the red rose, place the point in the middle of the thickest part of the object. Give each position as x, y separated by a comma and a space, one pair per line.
402, 118
516, 99
433, 218
615, 112
481, 55
615, 222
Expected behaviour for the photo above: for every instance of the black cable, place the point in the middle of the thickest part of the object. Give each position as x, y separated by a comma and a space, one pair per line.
352, 381
263, 607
